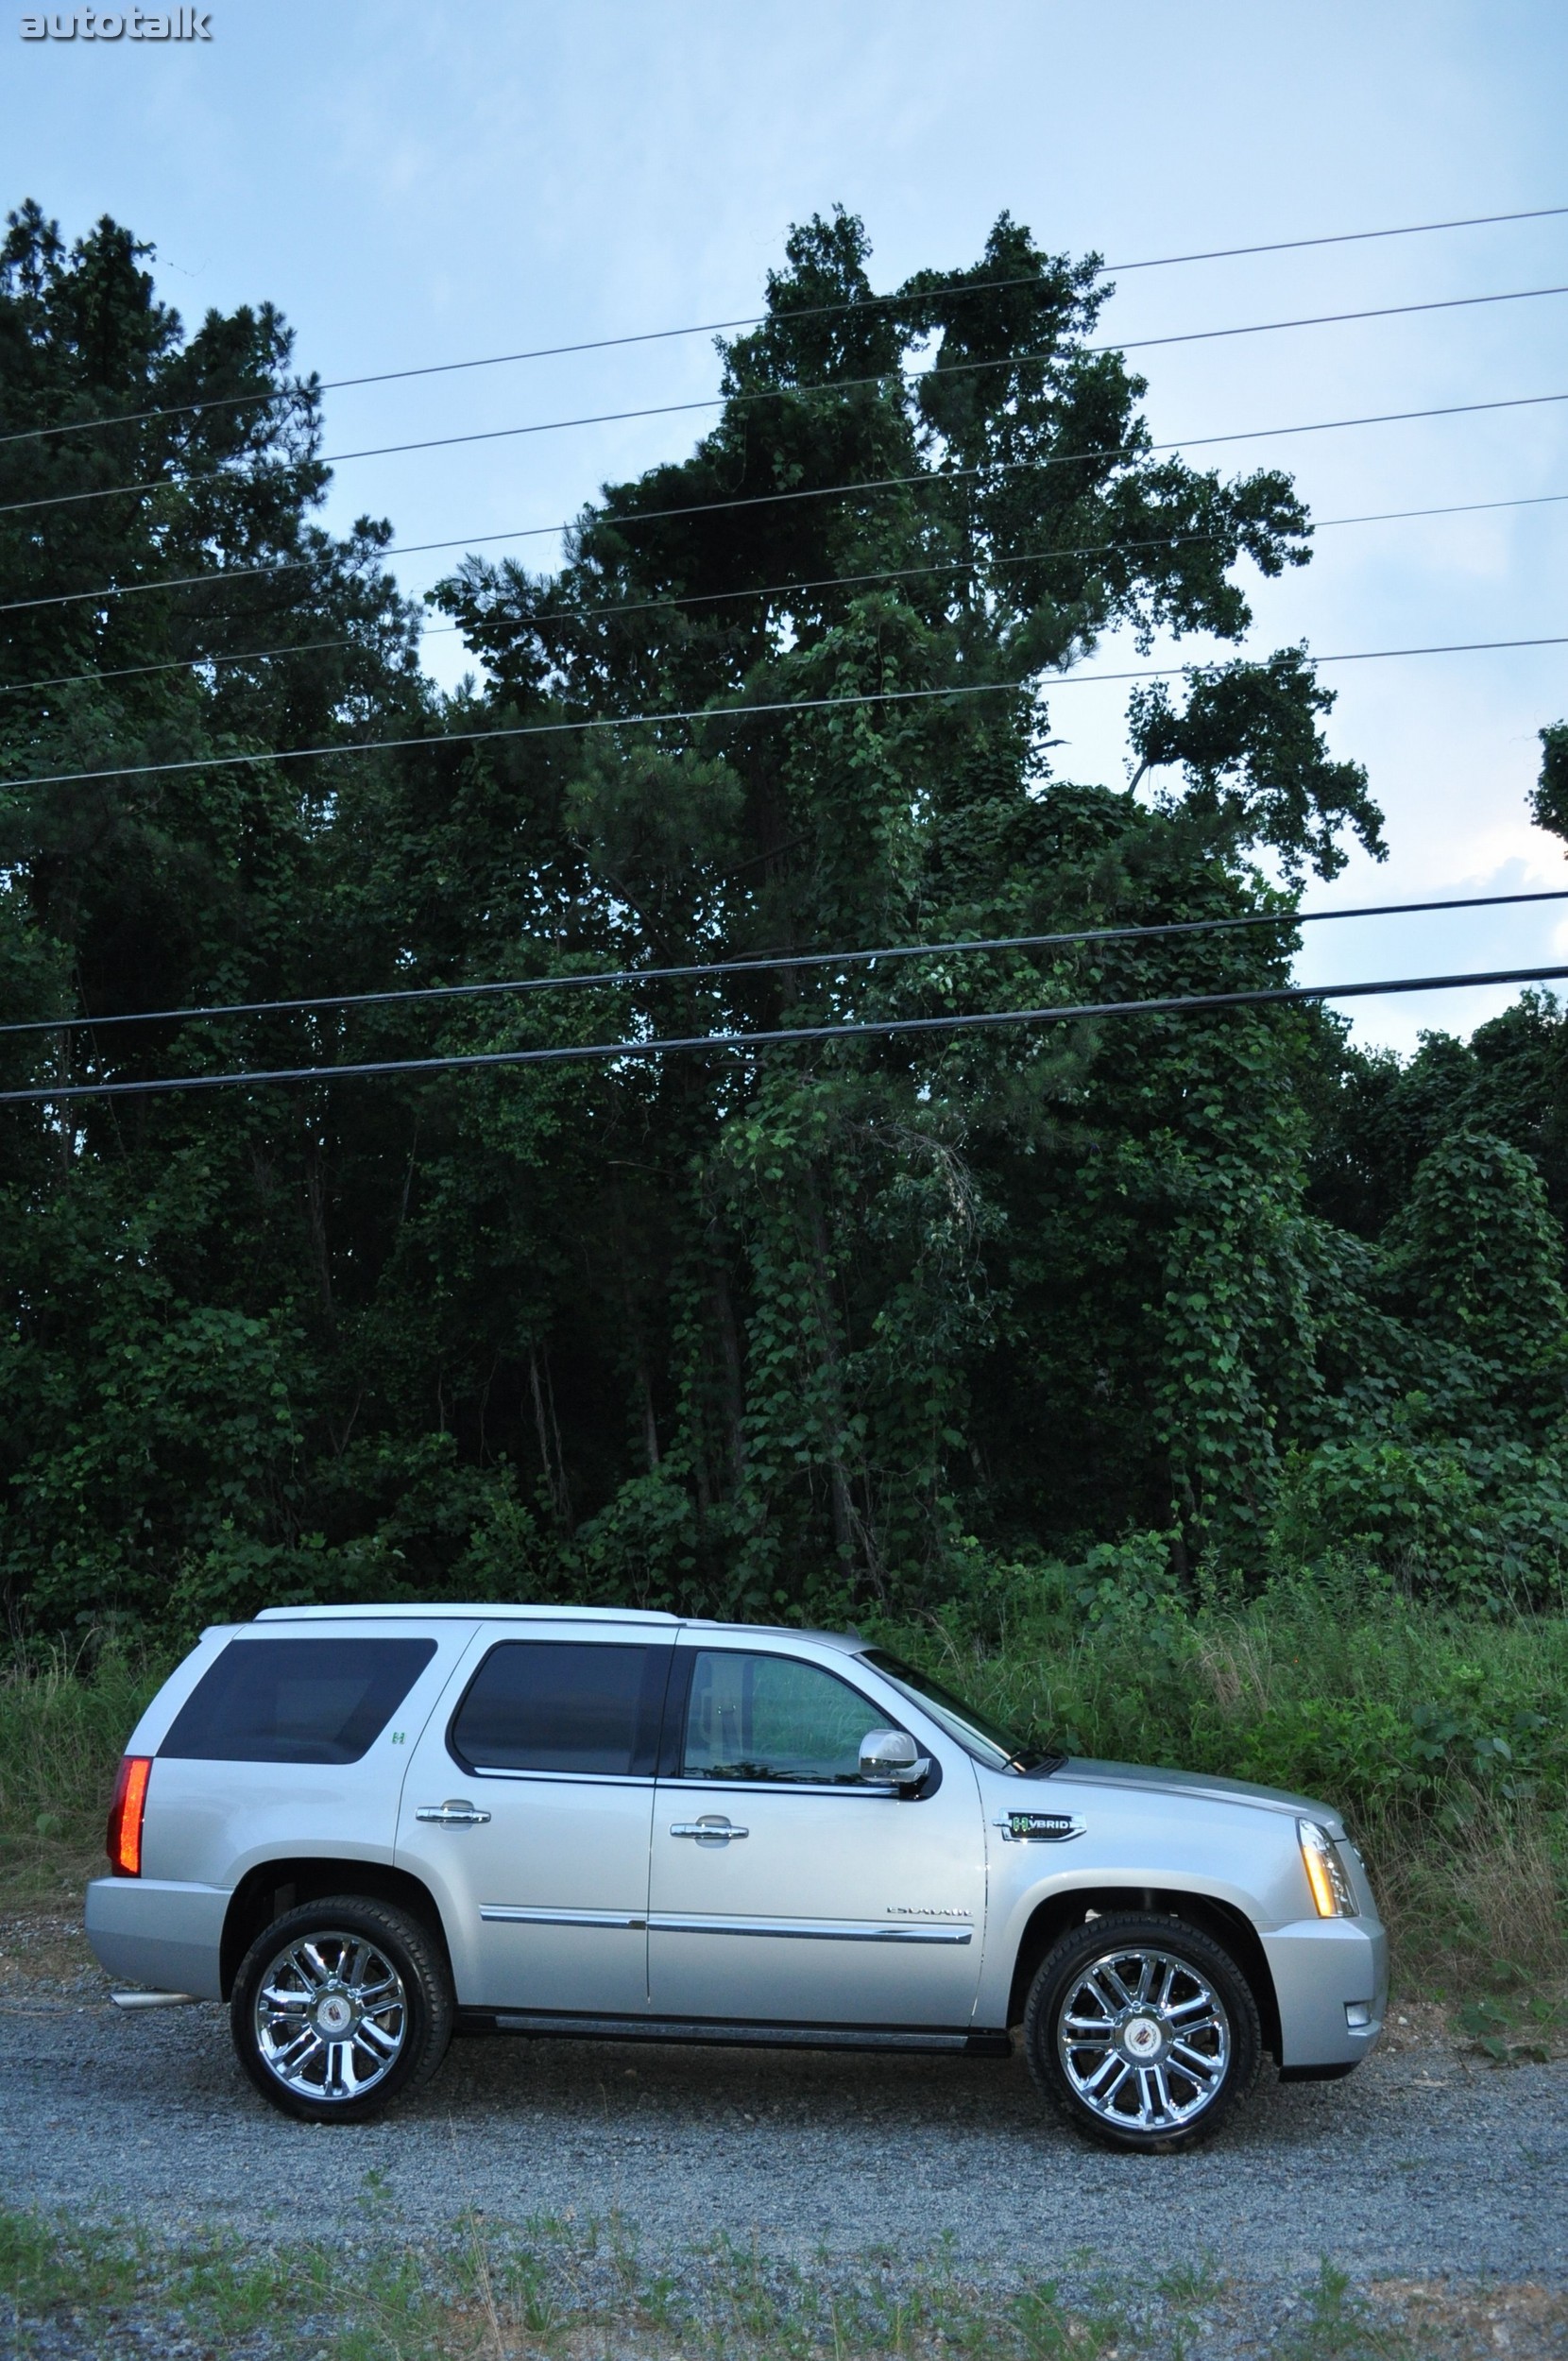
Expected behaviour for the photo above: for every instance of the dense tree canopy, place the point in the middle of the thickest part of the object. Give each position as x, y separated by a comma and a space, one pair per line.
785, 1331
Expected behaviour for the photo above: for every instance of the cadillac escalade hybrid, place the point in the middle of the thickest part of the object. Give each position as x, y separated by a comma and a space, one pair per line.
365, 1827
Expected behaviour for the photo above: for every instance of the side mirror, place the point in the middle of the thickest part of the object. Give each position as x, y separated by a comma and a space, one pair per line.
891, 1758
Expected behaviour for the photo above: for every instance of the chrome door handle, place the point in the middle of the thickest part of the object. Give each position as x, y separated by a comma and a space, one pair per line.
456, 1813
708, 1831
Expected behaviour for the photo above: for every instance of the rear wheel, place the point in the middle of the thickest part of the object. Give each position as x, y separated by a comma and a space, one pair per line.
338, 2006
1142, 2032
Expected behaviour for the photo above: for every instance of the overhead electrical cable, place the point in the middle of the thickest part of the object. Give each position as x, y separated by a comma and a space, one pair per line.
773, 962
561, 1054
681, 599
816, 491
768, 393
777, 589
753, 320
760, 710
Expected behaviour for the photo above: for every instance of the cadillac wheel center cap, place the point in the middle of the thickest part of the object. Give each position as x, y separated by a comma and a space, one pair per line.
1141, 2036
334, 2013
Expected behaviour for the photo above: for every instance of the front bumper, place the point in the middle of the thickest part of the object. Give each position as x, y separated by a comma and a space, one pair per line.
1326, 1970
148, 1930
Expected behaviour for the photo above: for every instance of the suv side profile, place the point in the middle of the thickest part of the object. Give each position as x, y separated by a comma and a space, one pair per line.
365, 1827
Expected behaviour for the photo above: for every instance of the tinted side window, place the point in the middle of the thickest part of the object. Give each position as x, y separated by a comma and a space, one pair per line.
549, 1705
295, 1701
772, 1717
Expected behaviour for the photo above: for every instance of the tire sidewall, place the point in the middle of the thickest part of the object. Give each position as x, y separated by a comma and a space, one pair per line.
1060, 1970
426, 1989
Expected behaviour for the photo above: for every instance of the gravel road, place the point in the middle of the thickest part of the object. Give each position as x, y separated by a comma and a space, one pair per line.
1422, 2162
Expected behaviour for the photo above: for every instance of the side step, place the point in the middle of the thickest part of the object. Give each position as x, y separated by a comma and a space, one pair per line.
718, 2034
154, 2000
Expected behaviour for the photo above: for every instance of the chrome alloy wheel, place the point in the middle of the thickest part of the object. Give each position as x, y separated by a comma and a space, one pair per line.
1144, 2040
330, 2016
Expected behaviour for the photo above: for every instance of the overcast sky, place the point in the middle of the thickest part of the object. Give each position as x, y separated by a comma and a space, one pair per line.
415, 183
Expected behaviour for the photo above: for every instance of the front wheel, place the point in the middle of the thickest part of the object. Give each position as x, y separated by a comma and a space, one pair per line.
338, 2006
1142, 2032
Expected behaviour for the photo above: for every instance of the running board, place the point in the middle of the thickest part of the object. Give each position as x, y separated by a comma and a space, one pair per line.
154, 2000
716, 2034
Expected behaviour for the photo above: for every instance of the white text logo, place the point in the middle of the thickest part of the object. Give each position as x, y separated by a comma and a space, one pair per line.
122, 25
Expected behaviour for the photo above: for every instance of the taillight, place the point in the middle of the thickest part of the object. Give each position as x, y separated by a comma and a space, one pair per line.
125, 1813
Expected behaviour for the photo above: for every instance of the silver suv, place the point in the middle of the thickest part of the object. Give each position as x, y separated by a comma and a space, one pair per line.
363, 1827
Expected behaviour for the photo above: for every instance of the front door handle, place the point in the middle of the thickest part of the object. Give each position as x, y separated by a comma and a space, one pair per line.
458, 1812
710, 1829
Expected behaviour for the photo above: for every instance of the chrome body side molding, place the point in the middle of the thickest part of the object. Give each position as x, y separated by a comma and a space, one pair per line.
509, 1913
811, 1929
673, 1922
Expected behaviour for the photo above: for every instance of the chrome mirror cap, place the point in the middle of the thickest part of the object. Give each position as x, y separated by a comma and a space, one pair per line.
891, 1758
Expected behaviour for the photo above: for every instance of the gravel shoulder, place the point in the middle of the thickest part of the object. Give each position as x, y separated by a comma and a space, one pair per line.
1426, 2163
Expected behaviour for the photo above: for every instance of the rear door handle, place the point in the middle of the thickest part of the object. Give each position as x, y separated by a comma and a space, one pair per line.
708, 1830
455, 1813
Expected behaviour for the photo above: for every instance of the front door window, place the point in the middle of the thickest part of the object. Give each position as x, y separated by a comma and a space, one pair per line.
773, 1718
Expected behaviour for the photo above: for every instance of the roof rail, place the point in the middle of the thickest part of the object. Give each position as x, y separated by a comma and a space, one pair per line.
488, 1611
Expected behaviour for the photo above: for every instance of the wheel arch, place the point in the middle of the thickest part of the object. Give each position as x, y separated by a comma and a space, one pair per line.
1059, 1912
273, 1887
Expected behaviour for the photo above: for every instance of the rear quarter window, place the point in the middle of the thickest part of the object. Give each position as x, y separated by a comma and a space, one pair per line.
295, 1701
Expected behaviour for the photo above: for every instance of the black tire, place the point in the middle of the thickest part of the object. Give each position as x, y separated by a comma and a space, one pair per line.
1161, 2058
337, 2045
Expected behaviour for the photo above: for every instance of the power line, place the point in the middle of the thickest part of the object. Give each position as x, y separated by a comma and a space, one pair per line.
775, 589
524, 729
771, 963
650, 606
191, 664
659, 606
756, 319
815, 491
769, 393
729, 713
568, 1053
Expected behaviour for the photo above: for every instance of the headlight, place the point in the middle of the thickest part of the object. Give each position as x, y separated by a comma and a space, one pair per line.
1326, 1873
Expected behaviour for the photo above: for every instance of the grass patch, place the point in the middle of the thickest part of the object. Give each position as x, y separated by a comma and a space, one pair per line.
582, 2290
567, 2292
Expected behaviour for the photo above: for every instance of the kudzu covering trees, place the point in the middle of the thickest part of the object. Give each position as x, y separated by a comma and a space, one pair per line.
811, 1329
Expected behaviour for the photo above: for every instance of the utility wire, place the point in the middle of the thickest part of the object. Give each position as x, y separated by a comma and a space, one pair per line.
771, 962
733, 713
775, 589
816, 491
767, 393
574, 1052
660, 606
754, 320
651, 606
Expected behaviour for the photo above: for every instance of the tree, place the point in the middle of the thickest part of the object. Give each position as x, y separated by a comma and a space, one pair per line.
782, 1333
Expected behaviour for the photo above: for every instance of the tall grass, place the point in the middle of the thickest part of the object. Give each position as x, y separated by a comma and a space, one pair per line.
62, 1726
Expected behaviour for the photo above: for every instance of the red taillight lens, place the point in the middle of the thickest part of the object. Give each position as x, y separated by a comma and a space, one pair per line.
125, 1816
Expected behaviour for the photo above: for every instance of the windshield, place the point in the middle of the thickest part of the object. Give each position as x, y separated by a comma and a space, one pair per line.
1000, 1748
